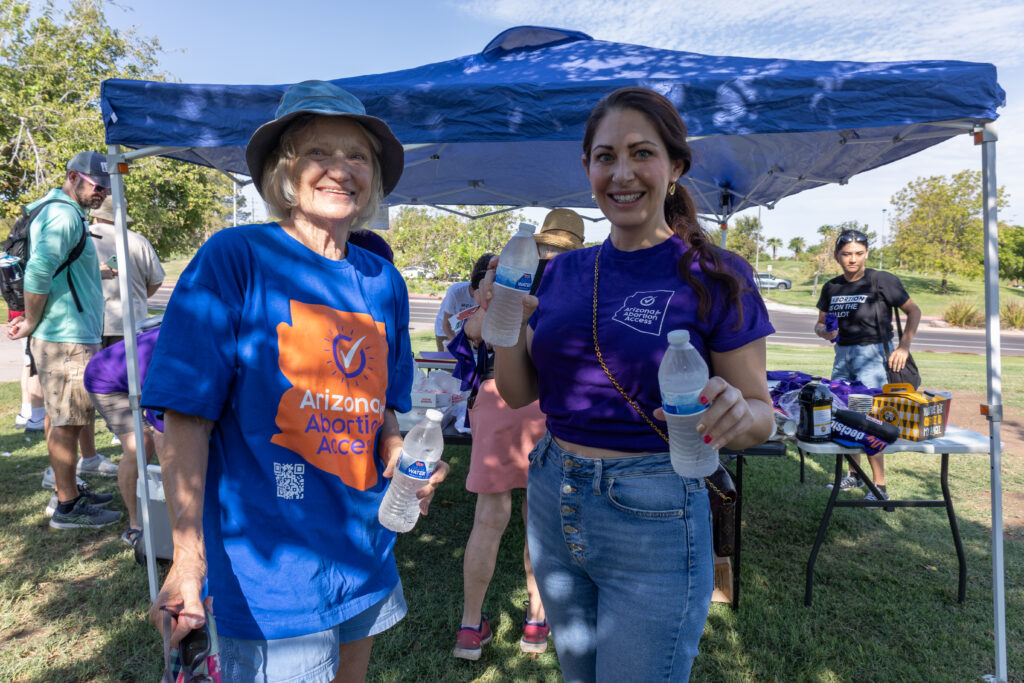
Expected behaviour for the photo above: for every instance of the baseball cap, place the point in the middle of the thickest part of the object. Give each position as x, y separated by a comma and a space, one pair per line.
92, 164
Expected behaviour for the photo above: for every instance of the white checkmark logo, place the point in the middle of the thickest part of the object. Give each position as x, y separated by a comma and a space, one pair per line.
346, 358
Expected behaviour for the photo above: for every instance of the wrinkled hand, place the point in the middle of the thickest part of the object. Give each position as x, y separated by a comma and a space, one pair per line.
180, 598
426, 492
898, 359
728, 413
486, 292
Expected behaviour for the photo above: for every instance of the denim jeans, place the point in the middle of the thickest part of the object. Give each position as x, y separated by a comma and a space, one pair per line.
621, 548
866, 364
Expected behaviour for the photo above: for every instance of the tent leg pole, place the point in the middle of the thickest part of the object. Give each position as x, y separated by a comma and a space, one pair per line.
988, 137
114, 158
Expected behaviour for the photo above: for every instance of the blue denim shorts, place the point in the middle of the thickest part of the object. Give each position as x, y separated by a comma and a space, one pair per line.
621, 548
309, 658
866, 364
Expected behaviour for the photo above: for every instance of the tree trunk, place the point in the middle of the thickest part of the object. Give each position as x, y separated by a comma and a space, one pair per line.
945, 290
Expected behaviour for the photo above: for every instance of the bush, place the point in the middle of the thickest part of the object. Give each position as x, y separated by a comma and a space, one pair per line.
963, 313
1012, 315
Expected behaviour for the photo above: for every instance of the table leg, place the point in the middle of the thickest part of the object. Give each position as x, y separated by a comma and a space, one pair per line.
962, 583
801, 464
821, 530
739, 531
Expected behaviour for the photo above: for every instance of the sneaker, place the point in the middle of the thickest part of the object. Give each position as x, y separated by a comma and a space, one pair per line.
83, 516
20, 420
96, 499
885, 496
469, 642
535, 636
114, 441
48, 482
99, 465
35, 426
850, 481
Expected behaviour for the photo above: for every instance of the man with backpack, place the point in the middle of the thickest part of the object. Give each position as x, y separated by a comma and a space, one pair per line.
63, 304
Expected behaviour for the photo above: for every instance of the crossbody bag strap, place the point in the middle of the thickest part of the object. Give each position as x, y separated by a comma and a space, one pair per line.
878, 319
629, 399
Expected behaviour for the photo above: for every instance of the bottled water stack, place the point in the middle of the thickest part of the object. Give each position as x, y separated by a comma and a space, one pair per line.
421, 451
682, 377
516, 270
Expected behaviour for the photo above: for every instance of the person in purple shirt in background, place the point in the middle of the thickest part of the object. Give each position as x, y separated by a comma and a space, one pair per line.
106, 380
620, 543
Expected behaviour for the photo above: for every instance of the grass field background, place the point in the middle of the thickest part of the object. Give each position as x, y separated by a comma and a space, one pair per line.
73, 604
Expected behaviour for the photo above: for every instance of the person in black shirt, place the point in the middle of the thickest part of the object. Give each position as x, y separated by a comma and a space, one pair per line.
861, 299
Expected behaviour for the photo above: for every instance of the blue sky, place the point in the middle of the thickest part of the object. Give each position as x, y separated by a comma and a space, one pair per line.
221, 41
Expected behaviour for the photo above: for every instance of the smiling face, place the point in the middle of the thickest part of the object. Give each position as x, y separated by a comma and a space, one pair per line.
630, 170
853, 257
333, 171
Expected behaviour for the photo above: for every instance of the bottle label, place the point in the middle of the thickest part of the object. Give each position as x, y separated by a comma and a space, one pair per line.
822, 421
513, 278
417, 469
682, 404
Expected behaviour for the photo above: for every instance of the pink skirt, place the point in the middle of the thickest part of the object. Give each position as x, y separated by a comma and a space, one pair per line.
502, 440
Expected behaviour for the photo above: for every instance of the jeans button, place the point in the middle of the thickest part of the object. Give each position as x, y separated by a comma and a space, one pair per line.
567, 510
567, 489
569, 529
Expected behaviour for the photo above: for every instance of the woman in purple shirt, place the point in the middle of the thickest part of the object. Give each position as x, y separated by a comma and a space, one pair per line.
621, 544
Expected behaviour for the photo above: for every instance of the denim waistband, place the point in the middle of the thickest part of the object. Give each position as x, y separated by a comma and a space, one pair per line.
596, 469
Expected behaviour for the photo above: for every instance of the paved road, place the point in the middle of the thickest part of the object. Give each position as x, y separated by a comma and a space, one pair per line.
792, 326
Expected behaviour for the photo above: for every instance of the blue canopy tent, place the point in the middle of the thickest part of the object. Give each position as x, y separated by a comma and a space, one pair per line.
504, 127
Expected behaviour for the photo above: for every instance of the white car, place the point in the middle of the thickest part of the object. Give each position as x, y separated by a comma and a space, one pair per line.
769, 281
413, 272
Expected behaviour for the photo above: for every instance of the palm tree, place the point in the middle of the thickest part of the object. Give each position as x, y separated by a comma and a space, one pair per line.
797, 245
774, 243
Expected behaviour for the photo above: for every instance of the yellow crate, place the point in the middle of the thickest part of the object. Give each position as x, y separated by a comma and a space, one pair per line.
919, 415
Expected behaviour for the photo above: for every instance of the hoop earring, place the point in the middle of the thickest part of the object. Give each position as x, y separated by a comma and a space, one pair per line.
672, 188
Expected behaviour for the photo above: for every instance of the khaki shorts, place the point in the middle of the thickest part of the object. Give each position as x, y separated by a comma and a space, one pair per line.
61, 366
116, 410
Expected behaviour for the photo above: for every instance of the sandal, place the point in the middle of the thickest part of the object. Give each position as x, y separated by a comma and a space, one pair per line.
130, 536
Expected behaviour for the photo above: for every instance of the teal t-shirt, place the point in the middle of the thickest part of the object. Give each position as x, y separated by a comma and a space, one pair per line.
54, 233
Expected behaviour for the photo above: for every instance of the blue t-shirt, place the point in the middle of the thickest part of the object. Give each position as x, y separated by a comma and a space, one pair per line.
295, 357
641, 299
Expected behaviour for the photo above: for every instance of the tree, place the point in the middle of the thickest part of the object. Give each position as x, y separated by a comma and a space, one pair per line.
774, 243
1011, 252
938, 224
446, 243
51, 67
745, 237
797, 245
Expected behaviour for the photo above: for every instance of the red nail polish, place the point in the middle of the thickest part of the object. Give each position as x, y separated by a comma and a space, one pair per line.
707, 438
704, 400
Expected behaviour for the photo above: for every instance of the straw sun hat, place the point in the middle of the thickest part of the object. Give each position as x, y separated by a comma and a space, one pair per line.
562, 229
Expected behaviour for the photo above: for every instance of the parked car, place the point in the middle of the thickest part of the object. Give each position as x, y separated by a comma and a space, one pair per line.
769, 281
413, 272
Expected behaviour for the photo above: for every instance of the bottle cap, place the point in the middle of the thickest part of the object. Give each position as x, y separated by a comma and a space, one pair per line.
528, 228
434, 415
678, 337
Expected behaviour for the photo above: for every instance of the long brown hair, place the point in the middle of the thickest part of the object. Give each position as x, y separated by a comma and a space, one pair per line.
680, 211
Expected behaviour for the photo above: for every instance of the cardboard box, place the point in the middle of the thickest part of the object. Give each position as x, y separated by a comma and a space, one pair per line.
159, 518
919, 415
723, 580
426, 399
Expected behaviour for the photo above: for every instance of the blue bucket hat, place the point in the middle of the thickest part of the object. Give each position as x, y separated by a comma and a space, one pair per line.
325, 99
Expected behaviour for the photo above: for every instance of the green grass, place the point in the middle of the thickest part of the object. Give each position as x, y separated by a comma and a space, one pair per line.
925, 290
72, 604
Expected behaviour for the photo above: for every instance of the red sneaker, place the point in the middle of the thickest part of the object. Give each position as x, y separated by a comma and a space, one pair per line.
535, 636
470, 641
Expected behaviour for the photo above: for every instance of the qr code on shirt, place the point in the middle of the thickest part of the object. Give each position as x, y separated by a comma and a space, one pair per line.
291, 480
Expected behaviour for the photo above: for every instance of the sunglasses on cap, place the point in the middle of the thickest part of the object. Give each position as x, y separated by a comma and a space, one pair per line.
97, 185
851, 236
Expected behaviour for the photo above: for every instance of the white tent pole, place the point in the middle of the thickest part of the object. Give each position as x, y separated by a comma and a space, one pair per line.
114, 163
987, 137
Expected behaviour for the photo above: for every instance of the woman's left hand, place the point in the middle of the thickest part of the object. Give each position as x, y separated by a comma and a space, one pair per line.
898, 359
728, 412
426, 493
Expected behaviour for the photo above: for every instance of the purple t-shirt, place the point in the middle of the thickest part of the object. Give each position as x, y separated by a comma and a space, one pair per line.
641, 299
107, 371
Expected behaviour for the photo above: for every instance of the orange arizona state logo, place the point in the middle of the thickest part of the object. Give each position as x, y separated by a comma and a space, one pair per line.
337, 365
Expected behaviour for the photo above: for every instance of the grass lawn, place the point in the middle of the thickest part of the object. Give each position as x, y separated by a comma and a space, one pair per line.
72, 604
924, 289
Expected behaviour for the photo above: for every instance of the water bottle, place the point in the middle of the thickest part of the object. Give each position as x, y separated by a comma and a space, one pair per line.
421, 450
815, 424
517, 268
682, 377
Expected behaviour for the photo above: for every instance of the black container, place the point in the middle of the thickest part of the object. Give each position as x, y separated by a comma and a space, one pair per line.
868, 424
815, 425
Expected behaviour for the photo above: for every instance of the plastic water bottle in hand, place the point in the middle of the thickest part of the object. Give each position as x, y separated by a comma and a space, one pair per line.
421, 451
682, 377
516, 270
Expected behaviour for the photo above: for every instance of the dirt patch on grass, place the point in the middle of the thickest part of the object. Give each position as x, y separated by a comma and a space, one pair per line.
963, 412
